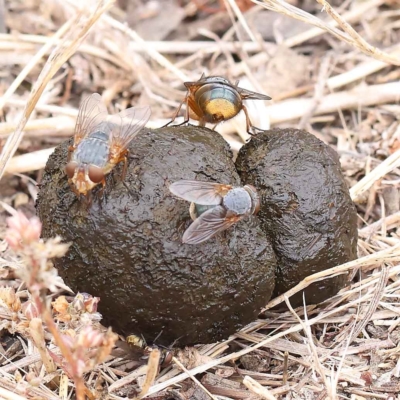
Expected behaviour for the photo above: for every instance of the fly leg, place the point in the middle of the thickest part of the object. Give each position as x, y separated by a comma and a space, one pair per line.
101, 192
248, 124
102, 189
215, 126
125, 168
89, 199
177, 112
186, 120
70, 150
73, 188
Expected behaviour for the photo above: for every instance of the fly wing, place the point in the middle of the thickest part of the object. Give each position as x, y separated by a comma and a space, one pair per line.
91, 113
128, 124
249, 95
127, 351
204, 193
207, 225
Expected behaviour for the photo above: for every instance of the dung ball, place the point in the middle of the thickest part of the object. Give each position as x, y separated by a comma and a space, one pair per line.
306, 209
127, 248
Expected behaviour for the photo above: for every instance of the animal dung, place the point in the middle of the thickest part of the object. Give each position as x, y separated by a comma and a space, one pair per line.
306, 209
127, 246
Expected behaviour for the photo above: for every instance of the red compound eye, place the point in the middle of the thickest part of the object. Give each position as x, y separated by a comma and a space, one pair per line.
96, 174
70, 169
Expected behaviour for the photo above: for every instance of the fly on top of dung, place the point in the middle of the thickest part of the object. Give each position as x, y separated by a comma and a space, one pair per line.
100, 143
214, 99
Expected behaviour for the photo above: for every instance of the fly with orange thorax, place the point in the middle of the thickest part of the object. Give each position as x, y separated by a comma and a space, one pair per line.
214, 99
100, 143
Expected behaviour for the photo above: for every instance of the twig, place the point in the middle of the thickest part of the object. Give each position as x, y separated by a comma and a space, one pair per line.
388, 255
37, 334
151, 52
7, 395
354, 40
373, 305
392, 162
152, 370
318, 91
359, 97
258, 389
241, 19
163, 47
192, 377
33, 61
369, 230
358, 41
350, 16
316, 363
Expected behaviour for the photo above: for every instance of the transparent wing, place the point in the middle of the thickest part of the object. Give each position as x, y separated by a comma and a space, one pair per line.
91, 112
249, 95
128, 124
207, 225
204, 193
131, 352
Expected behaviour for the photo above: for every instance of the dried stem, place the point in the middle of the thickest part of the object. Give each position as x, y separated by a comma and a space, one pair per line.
354, 39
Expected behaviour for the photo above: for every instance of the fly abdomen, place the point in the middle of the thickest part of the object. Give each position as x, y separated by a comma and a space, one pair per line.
238, 201
218, 101
196, 210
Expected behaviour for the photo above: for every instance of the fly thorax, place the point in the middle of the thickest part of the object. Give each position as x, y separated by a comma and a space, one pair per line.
238, 201
103, 131
95, 148
255, 199
215, 79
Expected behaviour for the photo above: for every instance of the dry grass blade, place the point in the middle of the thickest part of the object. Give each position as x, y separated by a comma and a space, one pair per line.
392, 162
387, 255
152, 371
83, 21
29, 162
126, 380
240, 18
37, 334
354, 40
258, 389
351, 16
182, 367
373, 305
63, 391
7, 395
311, 345
359, 42
160, 59
38, 56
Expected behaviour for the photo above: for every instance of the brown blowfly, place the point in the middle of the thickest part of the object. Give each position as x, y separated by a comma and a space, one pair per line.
214, 99
136, 348
101, 142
